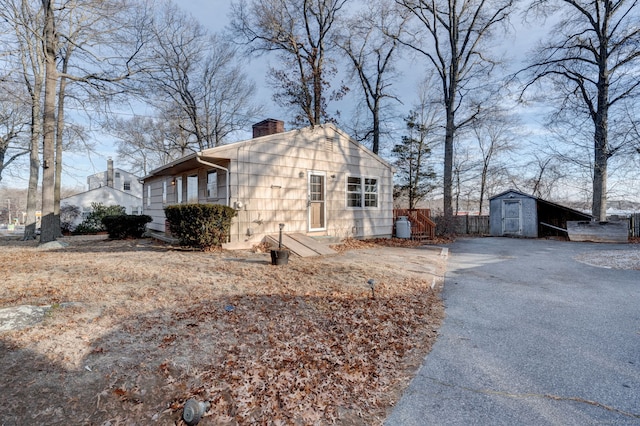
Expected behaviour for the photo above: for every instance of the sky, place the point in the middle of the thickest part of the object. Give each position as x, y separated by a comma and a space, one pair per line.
213, 14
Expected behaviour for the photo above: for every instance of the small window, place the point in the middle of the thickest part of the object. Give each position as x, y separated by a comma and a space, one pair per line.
362, 192
370, 192
212, 184
354, 192
179, 189
192, 189
127, 185
117, 175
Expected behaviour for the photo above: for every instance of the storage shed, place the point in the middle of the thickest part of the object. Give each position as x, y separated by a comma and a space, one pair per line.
513, 213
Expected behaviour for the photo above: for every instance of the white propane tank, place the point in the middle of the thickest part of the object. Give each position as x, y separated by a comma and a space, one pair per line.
403, 227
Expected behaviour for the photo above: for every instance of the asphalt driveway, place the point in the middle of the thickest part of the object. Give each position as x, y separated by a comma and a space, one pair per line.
531, 337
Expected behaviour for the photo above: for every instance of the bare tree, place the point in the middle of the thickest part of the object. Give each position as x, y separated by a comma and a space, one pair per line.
300, 30
463, 178
227, 93
540, 175
23, 16
44, 32
372, 55
147, 143
196, 79
14, 119
591, 61
86, 28
494, 137
451, 35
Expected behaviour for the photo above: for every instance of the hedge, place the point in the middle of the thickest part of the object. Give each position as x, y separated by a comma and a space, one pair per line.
200, 225
120, 227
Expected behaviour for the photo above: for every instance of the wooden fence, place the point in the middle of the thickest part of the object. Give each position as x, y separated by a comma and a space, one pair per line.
472, 225
466, 225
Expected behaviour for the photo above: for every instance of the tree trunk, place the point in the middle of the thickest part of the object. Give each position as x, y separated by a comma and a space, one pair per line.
376, 125
59, 142
599, 207
448, 167
483, 183
317, 91
34, 165
48, 231
601, 146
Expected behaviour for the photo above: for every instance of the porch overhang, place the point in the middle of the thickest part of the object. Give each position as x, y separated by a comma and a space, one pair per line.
186, 164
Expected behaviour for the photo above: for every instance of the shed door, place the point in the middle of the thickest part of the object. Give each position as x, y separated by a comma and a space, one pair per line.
316, 201
511, 217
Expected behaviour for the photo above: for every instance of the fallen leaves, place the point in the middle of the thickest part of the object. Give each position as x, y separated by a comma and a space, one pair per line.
303, 343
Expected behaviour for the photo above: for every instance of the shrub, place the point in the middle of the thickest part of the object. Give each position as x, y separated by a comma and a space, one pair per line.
68, 215
93, 223
200, 225
120, 227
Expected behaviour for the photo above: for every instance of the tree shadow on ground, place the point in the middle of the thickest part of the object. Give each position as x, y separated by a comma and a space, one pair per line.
257, 358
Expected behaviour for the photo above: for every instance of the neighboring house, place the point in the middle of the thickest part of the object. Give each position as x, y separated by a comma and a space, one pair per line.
112, 187
513, 213
316, 181
116, 178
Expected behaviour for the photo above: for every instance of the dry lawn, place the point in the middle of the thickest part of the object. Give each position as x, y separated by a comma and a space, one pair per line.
137, 327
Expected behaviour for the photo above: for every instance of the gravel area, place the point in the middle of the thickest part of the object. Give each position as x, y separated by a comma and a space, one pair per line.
615, 259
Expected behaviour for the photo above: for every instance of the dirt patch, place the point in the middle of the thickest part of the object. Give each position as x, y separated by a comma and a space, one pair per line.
136, 328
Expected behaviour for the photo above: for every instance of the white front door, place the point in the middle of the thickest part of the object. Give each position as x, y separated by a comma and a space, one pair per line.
316, 201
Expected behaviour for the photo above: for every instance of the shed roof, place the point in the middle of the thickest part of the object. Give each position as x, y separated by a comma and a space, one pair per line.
546, 203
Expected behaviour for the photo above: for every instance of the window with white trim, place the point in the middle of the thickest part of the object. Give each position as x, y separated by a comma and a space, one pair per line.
362, 192
212, 184
192, 189
179, 190
126, 186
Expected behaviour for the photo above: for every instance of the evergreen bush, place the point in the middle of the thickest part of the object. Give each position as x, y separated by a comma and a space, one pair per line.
200, 225
120, 227
93, 222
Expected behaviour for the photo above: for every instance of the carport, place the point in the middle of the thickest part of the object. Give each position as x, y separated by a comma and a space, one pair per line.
514, 213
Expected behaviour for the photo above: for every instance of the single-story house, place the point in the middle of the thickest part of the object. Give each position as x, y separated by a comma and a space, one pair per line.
111, 187
317, 181
513, 213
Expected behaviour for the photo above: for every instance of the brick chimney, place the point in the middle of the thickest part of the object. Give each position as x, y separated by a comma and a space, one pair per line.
267, 127
110, 173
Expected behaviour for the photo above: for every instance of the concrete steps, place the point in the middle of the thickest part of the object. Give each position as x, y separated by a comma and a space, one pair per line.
300, 244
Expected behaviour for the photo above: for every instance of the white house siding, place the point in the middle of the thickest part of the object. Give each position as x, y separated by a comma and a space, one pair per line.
155, 207
99, 180
269, 185
105, 195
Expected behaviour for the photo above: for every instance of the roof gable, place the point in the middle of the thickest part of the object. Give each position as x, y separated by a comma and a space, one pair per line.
542, 201
230, 151
103, 189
